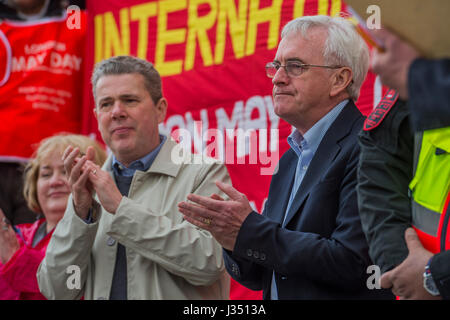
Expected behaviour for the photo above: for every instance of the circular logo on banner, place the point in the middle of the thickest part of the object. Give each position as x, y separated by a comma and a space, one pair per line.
5, 59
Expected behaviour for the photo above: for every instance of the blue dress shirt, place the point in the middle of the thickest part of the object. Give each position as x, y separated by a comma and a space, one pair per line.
305, 147
142, 164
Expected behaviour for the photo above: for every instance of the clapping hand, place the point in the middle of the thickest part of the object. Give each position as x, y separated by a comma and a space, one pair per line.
8, 239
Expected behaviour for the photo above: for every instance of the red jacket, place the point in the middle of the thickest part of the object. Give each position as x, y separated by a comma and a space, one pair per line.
18, 276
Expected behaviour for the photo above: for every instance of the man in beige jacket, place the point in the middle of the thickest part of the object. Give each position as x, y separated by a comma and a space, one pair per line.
122, 236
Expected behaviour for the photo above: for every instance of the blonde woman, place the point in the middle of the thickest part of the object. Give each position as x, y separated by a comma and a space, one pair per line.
46, 190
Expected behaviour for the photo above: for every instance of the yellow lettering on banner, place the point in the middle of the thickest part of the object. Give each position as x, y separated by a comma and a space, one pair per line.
322, 7
166, 37
141, 13
257, 16
117, 43
336, 7
98, 44
197, 30
237, 20
299, 8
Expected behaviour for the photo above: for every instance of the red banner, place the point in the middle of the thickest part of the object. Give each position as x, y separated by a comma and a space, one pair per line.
211, 55
41, 74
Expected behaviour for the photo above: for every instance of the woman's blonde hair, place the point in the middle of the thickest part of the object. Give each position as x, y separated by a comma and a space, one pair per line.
57, 143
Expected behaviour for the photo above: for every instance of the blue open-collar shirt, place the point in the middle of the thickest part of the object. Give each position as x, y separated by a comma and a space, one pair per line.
305, 147
142, 164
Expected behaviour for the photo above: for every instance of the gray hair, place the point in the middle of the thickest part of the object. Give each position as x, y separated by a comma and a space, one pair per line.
343, 47
126, 65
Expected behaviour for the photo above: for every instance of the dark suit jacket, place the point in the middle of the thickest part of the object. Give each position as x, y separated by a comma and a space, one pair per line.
320, 251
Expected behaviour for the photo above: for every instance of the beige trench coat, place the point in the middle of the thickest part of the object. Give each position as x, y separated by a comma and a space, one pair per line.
167, 257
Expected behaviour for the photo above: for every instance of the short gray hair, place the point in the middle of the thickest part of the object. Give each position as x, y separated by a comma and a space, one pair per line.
126, 65
343, 47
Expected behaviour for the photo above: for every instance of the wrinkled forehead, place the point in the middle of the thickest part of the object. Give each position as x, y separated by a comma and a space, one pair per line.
119, 84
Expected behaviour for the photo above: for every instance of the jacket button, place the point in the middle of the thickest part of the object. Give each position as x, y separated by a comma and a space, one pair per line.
249, 252
262, 256
111, 241
234, 269
255, 254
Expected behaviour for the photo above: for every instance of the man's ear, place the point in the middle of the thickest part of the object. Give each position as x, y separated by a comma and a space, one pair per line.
161, 109
341, 80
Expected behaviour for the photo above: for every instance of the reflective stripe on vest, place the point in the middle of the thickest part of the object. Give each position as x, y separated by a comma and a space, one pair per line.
430, 188
425, 219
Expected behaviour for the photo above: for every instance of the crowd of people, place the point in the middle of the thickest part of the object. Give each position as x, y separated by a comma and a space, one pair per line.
350, 192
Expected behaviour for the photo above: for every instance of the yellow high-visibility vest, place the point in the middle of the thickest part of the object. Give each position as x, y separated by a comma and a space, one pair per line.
430, 189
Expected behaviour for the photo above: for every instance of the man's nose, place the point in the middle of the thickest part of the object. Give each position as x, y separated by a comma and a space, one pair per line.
118, 111
280, 77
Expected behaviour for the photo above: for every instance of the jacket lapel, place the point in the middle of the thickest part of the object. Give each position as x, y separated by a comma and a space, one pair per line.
280, 187
325, 154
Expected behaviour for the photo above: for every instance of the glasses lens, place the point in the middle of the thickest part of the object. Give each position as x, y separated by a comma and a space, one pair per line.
294, 69
271, 69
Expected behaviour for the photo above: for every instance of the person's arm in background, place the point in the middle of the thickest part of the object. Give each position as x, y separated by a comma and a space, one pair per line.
429, 93
18, 260
384, 172
424, 82
20, 270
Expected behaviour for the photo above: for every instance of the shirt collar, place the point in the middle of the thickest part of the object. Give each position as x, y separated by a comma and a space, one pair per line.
142, 164
312, 138
295, 140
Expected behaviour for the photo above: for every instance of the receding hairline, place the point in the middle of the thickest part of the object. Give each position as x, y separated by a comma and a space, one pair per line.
315, 31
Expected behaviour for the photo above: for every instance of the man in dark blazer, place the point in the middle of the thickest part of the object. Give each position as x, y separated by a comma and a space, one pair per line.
308, 243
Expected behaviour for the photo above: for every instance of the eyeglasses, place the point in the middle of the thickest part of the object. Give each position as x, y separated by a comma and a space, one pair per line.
292, 68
